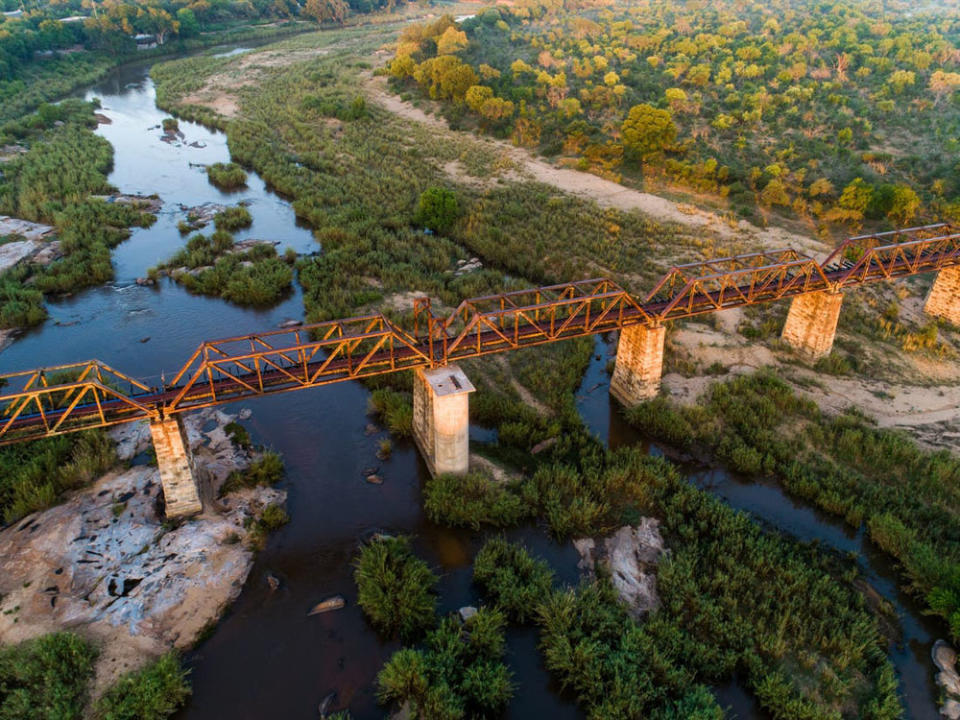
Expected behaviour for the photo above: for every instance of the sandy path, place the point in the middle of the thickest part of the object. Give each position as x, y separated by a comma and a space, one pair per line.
605, 193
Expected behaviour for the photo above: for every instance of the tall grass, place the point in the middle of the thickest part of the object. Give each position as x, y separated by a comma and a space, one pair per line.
46, 677
459, 672
395, 588
34, 475
152, 693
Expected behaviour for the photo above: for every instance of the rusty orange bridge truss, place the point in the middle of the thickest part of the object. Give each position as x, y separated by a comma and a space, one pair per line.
55, 400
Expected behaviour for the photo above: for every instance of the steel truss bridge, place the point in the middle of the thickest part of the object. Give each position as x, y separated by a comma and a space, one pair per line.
55, 400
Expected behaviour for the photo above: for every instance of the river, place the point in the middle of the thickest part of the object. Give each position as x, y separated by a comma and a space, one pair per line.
267, 657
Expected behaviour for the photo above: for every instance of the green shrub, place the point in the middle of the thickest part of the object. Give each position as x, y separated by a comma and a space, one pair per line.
459, 673
473, 500
273, 518
437, 209
395, 588
170, 124
227, 176
153, 693
513, 580
233, 218
46, 677
395, 409
34, 475
264, 471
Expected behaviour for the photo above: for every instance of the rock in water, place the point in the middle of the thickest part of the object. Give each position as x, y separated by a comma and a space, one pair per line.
466, 612
334, 603
631, 554
945, 658
273, 581
327, 703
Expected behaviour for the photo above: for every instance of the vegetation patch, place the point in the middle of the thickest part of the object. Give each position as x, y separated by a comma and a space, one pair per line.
869, 476
152, 693
733, 599
264, 471
247, 274
395, 588
233, 218
46, 677
473, 500
53, 183
458, 673
34, 475
227, 176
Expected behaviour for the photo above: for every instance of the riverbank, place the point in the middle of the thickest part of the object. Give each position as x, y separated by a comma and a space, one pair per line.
106, 564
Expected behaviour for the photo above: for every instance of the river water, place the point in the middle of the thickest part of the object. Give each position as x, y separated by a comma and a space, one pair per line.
267, 657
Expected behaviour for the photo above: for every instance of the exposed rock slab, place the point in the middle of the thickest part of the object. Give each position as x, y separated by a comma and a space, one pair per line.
630, 555
104, 564
24, 228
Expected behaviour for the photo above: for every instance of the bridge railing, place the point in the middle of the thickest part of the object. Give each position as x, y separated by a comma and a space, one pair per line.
68, 397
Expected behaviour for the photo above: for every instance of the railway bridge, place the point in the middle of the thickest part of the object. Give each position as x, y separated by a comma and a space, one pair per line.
50, 401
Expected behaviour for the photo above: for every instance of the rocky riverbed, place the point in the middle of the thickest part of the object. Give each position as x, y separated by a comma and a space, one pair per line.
106, 565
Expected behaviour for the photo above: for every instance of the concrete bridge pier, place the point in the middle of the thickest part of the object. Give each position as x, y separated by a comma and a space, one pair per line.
944, 298
176, 467
441, 418
812, 323
639, 364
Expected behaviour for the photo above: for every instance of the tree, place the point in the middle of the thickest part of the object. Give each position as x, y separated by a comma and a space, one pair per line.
856, 196
648, 130
477, 95
189, 26
326, 10
944, 83
437, 209
904, 205
452, 41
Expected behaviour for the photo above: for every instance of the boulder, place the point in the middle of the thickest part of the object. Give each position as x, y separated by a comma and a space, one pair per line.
631, 555
466, 612
324, 606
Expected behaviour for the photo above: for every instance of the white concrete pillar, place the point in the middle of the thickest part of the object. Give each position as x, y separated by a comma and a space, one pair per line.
812, 323
944, 298
176, 468
639, 364
441, 418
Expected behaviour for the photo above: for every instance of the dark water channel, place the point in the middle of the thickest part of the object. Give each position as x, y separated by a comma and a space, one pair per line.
267, 658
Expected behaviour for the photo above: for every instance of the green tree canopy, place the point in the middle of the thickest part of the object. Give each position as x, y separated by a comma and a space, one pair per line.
648, 130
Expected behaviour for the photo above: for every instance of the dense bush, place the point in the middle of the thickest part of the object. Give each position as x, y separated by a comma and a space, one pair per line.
395, 588
459, 672
227, 176
516, 582
472, 501
233, 218
33, 475
437, 209
152, 693
46, 677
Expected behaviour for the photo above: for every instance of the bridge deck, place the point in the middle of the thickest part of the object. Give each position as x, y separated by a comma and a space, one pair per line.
51, 401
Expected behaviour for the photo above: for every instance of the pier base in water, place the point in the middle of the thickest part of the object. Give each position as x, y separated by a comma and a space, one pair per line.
441, 419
